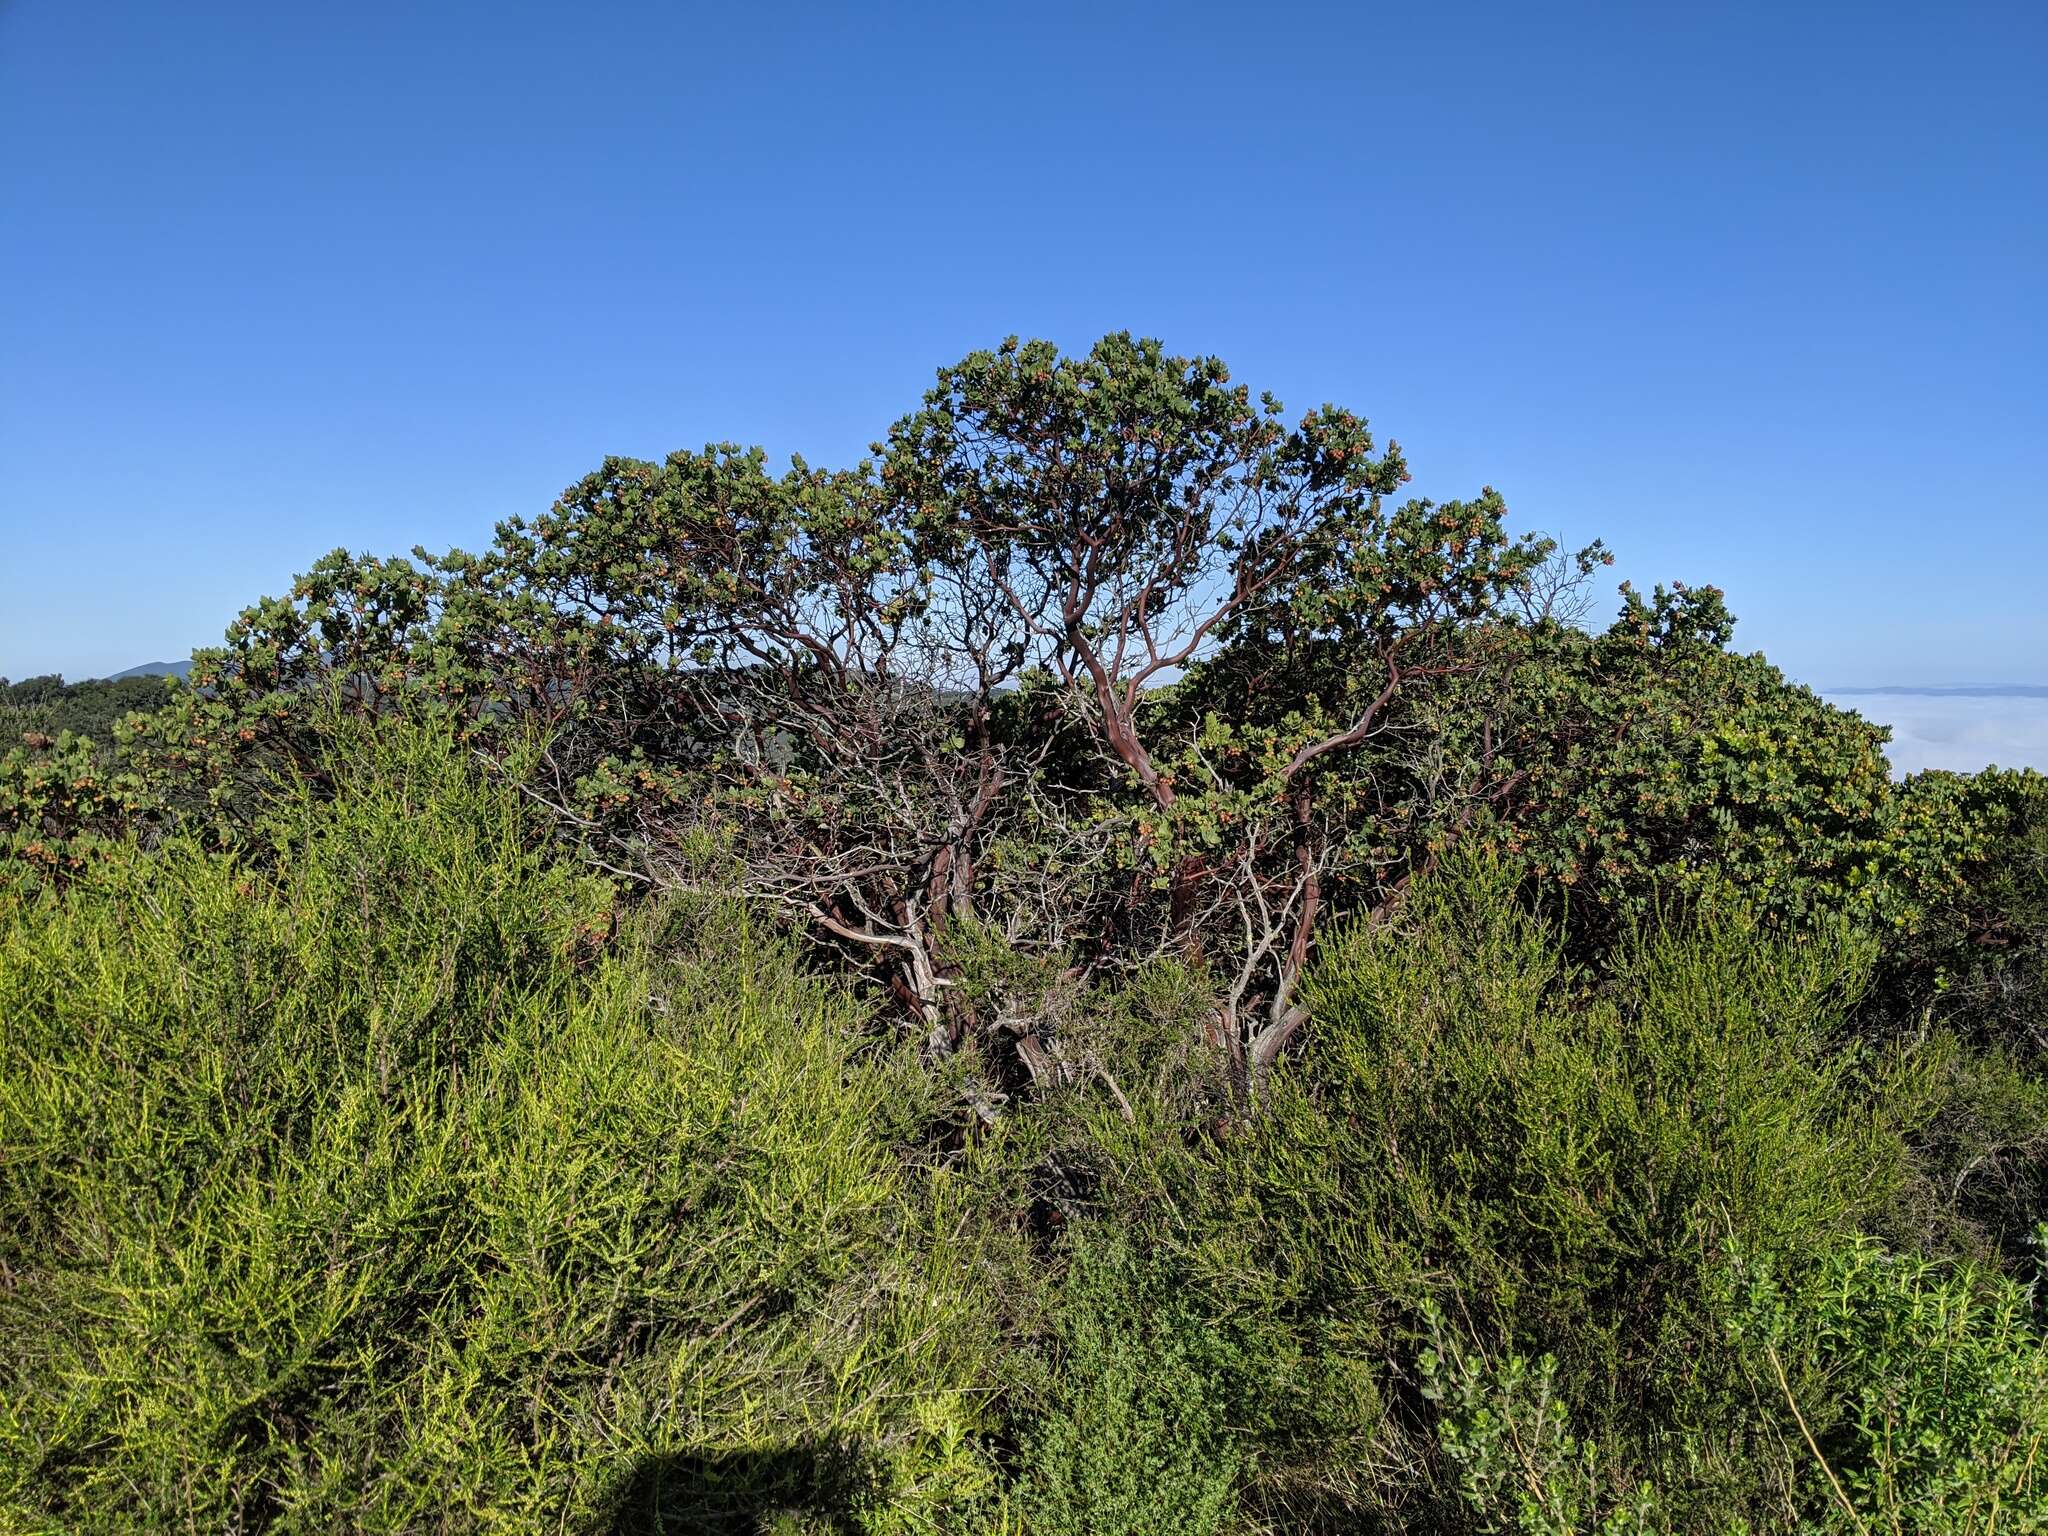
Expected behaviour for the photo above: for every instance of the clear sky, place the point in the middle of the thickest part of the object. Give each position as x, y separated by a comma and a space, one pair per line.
1756, 292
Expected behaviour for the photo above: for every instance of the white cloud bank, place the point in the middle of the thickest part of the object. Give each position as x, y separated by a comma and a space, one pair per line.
1964, 732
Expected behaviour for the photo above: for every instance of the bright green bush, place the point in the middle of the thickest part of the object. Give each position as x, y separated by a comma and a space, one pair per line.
388, 1188
1132, 1438
1506, 1432
1916, 1392
1908, 1396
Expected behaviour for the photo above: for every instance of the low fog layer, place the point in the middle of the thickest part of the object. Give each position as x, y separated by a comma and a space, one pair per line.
1964, 732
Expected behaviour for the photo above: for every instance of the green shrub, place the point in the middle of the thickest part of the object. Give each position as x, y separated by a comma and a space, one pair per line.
1658, 763
1916, 1393
49, 706
1506, 1431
1133, 1438
1559, 1162
1565, 1164
1907, 1395
389, 1188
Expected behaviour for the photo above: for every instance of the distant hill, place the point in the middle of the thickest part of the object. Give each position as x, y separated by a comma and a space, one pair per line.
155, 669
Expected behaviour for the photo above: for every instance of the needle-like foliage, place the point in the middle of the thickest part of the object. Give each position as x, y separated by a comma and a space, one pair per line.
382, 1186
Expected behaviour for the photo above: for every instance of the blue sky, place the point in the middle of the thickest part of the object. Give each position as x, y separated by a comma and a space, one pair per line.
1757, 293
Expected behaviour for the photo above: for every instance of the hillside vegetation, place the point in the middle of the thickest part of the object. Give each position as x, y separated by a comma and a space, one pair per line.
1094, 972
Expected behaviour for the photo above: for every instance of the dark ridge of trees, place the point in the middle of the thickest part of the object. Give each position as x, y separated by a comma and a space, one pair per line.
49, 706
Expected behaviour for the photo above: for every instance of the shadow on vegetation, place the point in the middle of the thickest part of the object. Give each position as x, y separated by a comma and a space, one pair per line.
782, 1489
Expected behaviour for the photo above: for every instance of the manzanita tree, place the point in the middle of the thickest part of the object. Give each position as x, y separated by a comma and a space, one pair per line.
1159, 538
830, 679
